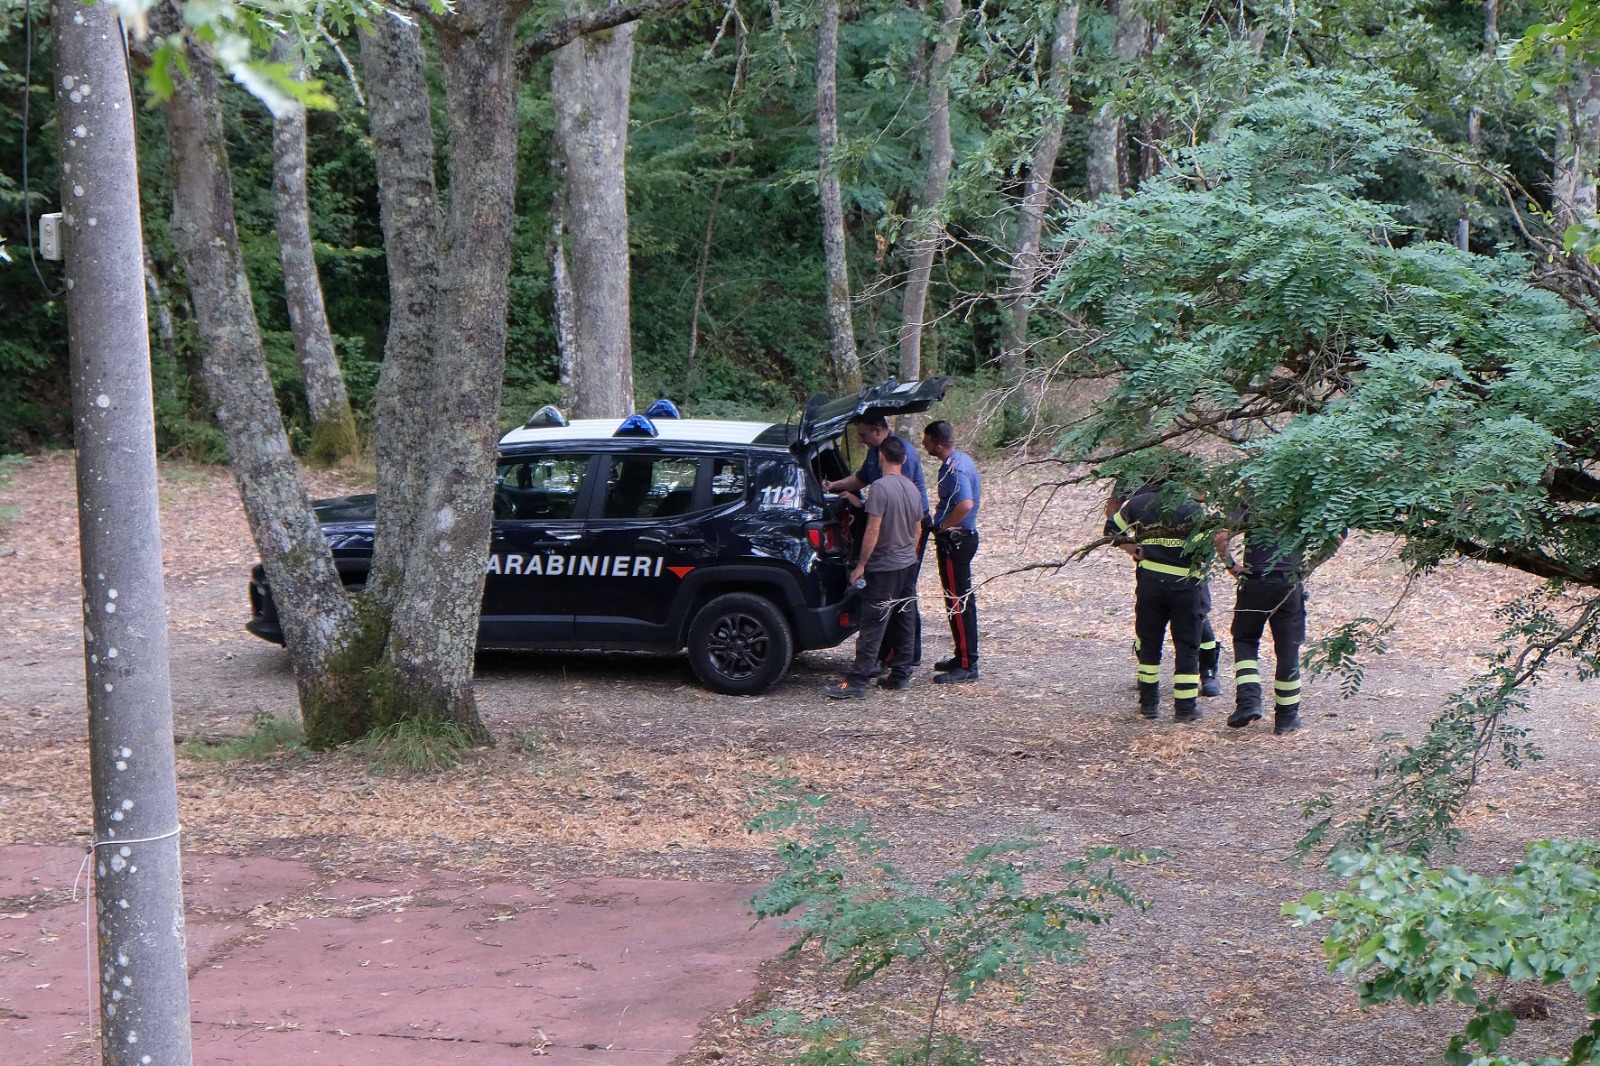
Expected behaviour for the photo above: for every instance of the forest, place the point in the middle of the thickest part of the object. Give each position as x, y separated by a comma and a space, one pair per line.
1331, 261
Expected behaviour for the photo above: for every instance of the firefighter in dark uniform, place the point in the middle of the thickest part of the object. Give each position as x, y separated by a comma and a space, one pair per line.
1153, 526
1209, 650
1271, 593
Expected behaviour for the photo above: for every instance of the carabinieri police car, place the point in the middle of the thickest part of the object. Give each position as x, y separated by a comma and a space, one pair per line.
659, 533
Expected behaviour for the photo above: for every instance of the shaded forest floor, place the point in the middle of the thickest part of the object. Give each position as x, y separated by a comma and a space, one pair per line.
619, 766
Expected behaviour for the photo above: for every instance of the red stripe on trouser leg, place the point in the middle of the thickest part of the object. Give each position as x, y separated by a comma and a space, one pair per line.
953, 605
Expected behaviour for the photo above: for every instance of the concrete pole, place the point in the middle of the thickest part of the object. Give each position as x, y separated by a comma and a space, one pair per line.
144, 988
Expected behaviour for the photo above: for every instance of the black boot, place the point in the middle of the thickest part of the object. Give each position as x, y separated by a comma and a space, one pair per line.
1285, 720
1208, 684
1244, 714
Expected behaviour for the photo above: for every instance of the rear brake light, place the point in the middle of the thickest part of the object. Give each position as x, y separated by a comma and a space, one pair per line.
845, 619
823, 538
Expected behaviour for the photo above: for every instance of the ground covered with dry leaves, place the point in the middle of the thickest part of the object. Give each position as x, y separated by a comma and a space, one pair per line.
622, 766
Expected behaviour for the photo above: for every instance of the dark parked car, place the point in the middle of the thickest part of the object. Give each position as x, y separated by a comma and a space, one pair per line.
658, 533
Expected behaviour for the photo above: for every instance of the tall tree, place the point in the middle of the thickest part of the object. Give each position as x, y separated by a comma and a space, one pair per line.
1108, 127
333, 427
317, 617
1577, 149
841, 328
1025, 259
927, 226
144, 986
590, 81
404, 649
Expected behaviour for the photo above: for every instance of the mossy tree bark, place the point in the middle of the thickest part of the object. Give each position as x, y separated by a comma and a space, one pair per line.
1108, 128
927, 225
841, 327
333, 426
591, 82
1036, 193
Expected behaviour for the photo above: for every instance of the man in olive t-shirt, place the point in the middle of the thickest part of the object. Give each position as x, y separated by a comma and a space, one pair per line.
888, 563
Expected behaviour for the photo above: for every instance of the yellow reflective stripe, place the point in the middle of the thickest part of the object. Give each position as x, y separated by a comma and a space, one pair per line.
1280, 700
1185, 693
1149, 673
1163, 568
1286, 686
1207, 645
1182, 679
1245, 664
1247, 679
1121, 523
1163, 542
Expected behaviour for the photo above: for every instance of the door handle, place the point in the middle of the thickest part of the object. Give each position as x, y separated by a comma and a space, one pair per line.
685, 542
556, 540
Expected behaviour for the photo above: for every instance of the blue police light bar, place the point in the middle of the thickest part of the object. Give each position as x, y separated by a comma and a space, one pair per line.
637, 426
545, 417
662, 408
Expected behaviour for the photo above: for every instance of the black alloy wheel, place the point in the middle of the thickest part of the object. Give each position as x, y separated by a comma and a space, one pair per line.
739, 644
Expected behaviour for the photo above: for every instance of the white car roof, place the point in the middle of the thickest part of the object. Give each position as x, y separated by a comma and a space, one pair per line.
696, 430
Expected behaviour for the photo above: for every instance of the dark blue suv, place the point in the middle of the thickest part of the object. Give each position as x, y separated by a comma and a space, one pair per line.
658, 533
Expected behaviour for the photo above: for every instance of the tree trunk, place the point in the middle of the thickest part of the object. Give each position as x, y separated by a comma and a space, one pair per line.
590, 81
316, 614
1108, 131
1491, 48
1035, 199
561, 291
433, 621
333, 427
927, 228
144, 988
444, 359
841, 329
1577, 153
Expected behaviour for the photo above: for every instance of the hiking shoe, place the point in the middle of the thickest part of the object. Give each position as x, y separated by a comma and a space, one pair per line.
893, 683
1243, 716
946, 664
1285, 723
1187, 716
1209, 686
955, 676
847, 690
1150, 711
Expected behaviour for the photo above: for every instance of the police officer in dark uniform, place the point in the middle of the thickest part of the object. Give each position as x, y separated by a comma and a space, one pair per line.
1153, 526
1271, 593
1209, 650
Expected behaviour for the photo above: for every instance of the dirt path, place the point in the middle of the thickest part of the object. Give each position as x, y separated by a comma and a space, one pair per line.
619, 766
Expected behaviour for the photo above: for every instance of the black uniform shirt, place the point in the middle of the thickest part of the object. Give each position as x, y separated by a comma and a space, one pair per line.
1160, 526
1264, 553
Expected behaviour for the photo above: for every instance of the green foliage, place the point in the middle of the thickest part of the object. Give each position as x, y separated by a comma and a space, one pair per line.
1422, 787
1367, 379
1157, 1046
979, 923
271, 738
413, 746
1404, 931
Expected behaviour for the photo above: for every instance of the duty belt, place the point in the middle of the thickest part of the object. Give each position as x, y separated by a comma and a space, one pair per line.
1164, 568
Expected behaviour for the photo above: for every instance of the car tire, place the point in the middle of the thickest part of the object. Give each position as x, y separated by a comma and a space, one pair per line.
739, 644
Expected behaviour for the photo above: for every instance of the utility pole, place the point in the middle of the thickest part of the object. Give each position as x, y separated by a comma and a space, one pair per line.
144, 988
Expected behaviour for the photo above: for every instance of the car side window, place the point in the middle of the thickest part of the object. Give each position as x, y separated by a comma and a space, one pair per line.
727, 480
650, 486
539, 487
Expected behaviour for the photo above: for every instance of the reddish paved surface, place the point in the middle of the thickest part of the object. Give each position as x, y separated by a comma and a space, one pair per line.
403, 967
